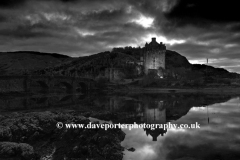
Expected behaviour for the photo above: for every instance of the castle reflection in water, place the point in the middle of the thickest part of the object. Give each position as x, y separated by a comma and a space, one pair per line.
149, 109
149, 112
158, 109
156, 115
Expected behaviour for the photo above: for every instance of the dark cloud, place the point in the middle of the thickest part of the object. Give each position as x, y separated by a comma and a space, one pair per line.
3, 18
11, 3
22, 32
235, 27
214, 10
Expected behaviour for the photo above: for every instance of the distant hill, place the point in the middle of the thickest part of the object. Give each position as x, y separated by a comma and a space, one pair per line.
214, 72
14, 63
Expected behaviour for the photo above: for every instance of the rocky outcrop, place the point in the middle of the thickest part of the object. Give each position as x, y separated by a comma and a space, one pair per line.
34, 135
17, 150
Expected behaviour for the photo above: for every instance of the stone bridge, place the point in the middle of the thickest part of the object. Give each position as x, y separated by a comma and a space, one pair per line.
45, 84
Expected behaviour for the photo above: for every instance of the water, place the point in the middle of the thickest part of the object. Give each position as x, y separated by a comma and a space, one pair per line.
218, 115
218, 137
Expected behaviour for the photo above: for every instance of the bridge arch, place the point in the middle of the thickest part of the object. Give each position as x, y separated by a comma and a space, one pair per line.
39, 86
32, 83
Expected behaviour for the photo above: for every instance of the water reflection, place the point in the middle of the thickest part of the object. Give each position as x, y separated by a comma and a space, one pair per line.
218, 115
158, 109
218, 139
155, 113
43, 102
144, 108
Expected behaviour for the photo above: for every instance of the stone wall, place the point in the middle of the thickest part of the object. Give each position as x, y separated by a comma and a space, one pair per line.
114, 74
154, 60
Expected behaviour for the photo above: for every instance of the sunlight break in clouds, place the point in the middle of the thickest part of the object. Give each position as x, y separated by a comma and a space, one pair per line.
163, 39
55, 16
83, 32
144, 21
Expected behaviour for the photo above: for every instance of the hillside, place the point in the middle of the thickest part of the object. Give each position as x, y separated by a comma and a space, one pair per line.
91, 65
95, 65
175, 60
15, 63
213, 72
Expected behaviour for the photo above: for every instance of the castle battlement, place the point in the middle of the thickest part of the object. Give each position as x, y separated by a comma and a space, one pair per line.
154, 45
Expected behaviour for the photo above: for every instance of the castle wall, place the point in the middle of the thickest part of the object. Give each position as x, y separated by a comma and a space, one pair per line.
154, 59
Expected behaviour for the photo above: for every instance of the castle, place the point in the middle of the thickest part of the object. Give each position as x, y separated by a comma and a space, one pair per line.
149, 59
154, 57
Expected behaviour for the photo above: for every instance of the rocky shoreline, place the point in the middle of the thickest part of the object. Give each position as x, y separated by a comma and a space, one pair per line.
34, 136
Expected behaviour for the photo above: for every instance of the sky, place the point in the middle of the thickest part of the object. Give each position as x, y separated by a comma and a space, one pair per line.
197, 29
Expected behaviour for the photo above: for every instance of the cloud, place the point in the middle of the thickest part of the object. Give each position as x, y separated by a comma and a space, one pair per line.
196, 29
146, 22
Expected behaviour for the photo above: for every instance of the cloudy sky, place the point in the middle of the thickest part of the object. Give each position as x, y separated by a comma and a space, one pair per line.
197, 29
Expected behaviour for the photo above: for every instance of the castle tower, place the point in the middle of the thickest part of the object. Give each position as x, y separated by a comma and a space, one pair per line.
154, 57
